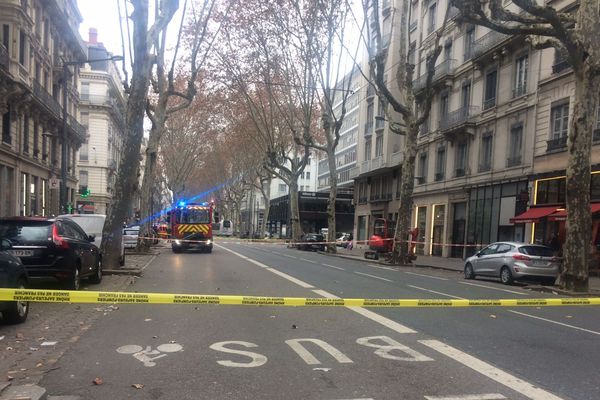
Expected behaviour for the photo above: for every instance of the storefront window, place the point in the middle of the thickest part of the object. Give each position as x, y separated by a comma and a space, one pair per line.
595, 187
437, 232
422, 225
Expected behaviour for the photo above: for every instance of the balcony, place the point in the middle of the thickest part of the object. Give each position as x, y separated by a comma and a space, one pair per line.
459, 121
76, 127
106, 101
453, 13
439, 176
442, 71
487, 42
513, 161
413, 26
371, 165
489, 103
46, 100
459, 172
560, 66
4, 58
519, 90
379, 123
420, 180
484, 167
368, 129
557, 144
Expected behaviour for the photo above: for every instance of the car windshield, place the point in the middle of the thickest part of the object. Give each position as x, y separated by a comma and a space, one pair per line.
539, 251
193, 216
23, 232
131, 232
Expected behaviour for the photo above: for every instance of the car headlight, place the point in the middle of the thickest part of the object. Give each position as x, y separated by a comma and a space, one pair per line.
177, 241
208, 241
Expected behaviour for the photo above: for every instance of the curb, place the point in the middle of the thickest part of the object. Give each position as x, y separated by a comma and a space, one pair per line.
556, 290
131, 271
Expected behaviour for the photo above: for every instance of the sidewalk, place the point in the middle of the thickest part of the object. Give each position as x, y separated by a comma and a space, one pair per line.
449, 264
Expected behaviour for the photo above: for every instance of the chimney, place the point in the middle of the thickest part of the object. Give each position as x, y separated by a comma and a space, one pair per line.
93, 36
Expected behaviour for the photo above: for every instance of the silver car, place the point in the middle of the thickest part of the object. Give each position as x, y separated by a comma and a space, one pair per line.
514, 260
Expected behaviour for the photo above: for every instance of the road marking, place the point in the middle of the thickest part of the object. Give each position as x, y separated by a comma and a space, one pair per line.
385, 350
494, 288
310, 261
426, 276
144, 355
433, 291
496, 374
307, 356
555, 322
374, 276
380, 267
257, 359
333, 266
288, 256
388, 323
485, 396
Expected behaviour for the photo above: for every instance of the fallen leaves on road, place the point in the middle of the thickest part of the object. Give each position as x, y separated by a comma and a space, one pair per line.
19, 335
38, 365
147, 319
493, 316
98, 381
137, 385
9, 377
568, 316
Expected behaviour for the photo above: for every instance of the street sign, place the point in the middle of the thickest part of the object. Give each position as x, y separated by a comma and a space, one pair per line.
54, 183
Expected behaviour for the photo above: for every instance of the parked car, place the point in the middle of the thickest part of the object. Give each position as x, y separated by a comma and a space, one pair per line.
130, 237
514, 260
93, 224
342, 241
311, 241
12, 275
53, 248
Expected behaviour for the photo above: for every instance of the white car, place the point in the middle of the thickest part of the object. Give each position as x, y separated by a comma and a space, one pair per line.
93, 224
130, 237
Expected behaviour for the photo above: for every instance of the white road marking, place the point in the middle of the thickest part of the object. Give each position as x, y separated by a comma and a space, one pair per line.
496, 374
380, 267
288, 256
310, 261
494, 288
257, 359
388, 323
307, 356
385, 350
433, 291
333, 266
485, 396
555, 322
374, 276
426, 276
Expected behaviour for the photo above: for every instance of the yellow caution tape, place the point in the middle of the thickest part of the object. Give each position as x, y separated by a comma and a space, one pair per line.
69, 296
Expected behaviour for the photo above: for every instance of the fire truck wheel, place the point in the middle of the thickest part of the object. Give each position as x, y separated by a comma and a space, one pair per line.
176, 249
208, 250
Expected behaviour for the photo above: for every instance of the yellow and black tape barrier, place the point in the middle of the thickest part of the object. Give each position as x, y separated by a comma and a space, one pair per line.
68, 296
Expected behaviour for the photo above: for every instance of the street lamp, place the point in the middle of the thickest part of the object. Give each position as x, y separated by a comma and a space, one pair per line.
63, 152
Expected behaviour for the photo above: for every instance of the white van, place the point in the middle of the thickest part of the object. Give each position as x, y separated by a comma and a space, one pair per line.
92, 224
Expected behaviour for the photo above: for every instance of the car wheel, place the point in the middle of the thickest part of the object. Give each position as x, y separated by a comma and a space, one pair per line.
469, 273
75, 282
17, 311
97, 277
506, 276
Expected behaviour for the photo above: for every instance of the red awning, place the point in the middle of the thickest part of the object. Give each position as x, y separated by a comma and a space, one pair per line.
533, 215
89, 207
561, 215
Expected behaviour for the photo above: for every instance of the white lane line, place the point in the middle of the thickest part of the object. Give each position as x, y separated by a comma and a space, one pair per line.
555, 322
388, 323
433, 291
266, 267
380, 267
426, 276
333, 266
310, 261
374, 276
494, 288
288, 256
484, 396
500, 376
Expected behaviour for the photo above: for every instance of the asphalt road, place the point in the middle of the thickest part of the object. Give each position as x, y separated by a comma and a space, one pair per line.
248, 352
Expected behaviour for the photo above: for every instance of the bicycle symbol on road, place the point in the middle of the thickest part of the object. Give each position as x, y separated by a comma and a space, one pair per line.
148, 356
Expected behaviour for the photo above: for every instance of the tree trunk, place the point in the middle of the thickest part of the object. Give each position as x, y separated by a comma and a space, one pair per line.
401, 250
579, 220
126, 183
331, 201
295, 211
266, 192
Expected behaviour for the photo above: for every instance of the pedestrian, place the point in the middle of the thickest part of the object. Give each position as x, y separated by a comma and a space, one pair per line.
350, 242
555, 245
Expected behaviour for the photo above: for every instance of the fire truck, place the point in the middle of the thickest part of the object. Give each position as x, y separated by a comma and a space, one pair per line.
191, 226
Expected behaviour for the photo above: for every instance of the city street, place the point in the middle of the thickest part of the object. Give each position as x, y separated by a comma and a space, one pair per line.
239, 352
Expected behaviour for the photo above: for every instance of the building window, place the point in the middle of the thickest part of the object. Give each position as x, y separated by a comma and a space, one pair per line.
440, 163
448, 50
25, 133
521, 65
422, 171
85, 91
444, 104
491, 84
84, 151
6, 36
302, 175
368, 149
6, 122
466, 97
516, 141
23, 194
22, 48
44, 147
282, 188
461, 159
560, 126
36, 139
379, 145
485, 162
431, 17
83, 181
469, 42
307, 174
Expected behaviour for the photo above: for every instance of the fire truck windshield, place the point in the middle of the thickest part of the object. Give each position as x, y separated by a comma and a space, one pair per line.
193, 216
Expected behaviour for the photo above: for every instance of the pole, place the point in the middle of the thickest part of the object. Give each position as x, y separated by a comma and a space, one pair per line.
63, 157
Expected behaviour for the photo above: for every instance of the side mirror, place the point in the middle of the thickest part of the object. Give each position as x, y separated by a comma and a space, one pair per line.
478, 254
91, 238
5, 244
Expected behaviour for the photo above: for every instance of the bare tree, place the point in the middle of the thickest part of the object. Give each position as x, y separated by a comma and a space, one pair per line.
576, 33
126, 183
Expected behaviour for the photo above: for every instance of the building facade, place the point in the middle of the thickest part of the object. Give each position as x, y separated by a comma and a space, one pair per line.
37, 41
102, 110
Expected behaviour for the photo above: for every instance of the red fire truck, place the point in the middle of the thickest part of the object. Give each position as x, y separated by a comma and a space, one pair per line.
191, 226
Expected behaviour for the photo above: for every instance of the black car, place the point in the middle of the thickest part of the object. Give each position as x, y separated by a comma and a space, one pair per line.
12, 275
311, 241
53, 248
